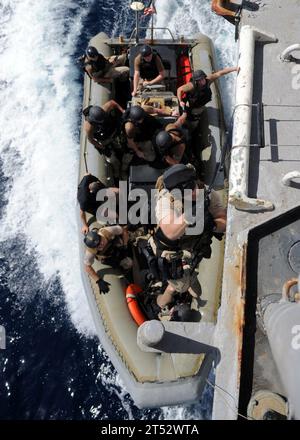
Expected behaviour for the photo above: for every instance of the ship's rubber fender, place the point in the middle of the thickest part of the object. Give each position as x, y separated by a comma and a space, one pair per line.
184, 70
218, 8
131, 298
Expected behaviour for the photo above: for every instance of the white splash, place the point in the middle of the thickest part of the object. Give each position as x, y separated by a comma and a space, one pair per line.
40, 100
191, 17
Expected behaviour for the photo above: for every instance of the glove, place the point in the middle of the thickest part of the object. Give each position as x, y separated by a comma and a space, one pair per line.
103, 286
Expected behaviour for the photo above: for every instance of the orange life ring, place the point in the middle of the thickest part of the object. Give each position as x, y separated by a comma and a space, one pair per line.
133, 306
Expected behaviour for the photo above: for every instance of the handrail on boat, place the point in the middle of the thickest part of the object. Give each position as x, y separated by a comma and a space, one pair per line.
133, 33
239, 168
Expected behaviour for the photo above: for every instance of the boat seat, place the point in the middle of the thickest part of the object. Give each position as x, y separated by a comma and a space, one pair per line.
143, 175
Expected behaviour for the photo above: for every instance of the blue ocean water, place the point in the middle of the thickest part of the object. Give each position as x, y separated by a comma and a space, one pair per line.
53, 366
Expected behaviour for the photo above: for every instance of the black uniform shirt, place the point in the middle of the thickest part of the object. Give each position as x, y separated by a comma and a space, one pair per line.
87, 200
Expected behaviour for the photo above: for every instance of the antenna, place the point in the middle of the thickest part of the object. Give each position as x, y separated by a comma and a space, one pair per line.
137, 7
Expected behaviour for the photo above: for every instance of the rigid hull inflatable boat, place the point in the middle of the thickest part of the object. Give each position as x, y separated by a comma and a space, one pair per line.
177, 372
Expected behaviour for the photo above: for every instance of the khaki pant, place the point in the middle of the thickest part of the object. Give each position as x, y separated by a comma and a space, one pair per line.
186, 282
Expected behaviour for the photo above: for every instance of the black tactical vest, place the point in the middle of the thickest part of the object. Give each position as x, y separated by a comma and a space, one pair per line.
199, 96
149, 70
106, 129
187, 242
99, 65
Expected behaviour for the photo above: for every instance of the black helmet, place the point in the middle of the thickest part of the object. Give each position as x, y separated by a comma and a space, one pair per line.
91, 52
199, 74
163, 141
146, 50
92, 239
96, 115
136, 113
178, 175
183, 312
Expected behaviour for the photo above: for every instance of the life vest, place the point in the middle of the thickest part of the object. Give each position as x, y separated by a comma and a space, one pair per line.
184, 70
109, 247
148, 69
144, 131
199, 96
101, 65
107, 129
187, 242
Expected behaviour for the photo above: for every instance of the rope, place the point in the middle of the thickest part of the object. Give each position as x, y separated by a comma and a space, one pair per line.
235, 408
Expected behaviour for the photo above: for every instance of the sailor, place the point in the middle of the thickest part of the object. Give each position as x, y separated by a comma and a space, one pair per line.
171, 144
140, 129
176, 252
104, 70
228, 9
148, 69
198, 91
108, 245
102, 126
86, 196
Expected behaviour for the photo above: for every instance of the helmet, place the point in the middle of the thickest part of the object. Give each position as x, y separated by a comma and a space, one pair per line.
199, 74
163, 141
146, 50
92, 239
91, 52
177, 176
96, 115
136, 113
183, 312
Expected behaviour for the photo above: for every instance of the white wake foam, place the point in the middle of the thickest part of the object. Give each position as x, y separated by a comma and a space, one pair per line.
40, 100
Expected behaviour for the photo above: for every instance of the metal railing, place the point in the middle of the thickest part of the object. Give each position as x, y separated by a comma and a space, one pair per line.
134, 32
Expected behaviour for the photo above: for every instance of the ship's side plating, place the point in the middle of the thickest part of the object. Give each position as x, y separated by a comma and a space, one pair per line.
262, 248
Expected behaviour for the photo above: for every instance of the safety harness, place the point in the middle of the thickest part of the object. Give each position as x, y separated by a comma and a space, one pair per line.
99, 66
114, 252
168, 260
199, 96
148, 69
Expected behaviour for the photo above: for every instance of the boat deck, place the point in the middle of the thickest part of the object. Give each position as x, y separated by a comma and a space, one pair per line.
276, 85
